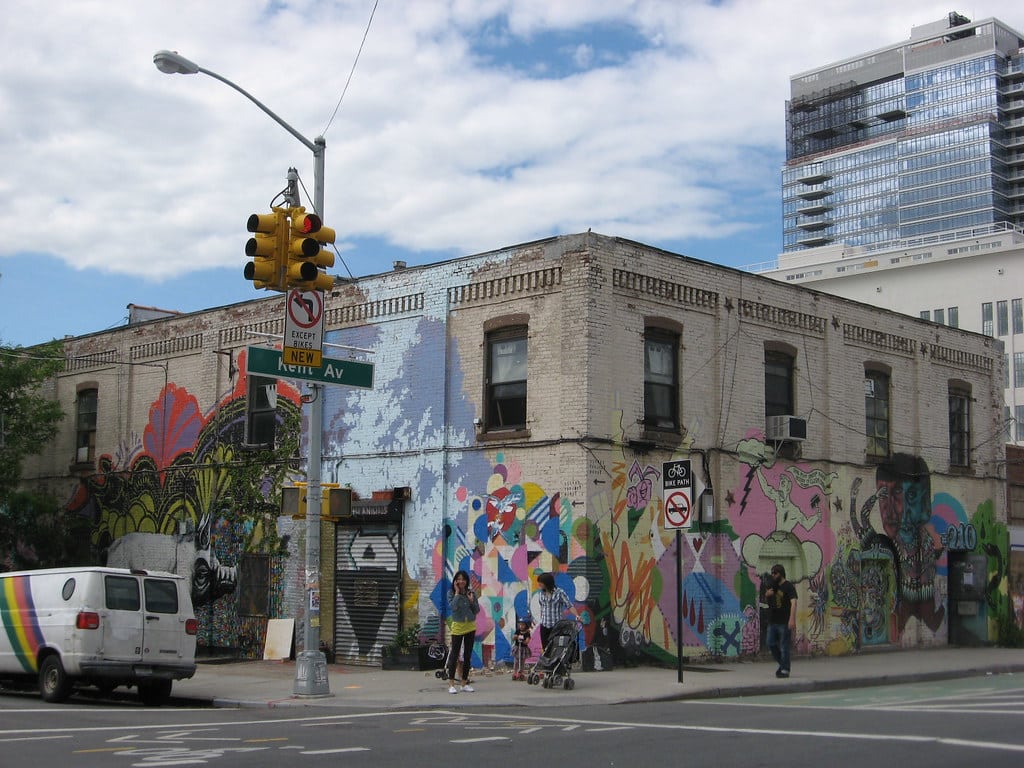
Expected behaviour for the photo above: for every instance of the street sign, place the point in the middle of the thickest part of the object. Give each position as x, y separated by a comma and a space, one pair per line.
303, 328
349, 373
677, 487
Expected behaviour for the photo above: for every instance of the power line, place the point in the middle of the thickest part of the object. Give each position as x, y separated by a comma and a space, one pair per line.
353, 70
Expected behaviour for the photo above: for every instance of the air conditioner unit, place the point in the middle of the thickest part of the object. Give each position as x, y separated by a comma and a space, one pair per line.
785, 428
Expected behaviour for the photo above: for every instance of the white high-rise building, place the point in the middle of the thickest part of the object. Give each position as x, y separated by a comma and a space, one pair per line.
904, 183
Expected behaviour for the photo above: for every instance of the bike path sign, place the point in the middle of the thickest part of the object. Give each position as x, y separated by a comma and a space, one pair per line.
677, 490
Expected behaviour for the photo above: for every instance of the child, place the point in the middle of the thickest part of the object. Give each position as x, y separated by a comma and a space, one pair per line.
521, 647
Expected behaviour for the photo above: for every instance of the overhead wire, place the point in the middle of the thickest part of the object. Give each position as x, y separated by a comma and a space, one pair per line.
353, 70
337, 106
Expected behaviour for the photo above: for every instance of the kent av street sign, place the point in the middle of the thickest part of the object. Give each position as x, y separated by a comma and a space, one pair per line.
350, 373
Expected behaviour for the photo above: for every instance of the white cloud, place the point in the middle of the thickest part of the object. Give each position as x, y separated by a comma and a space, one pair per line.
138, 172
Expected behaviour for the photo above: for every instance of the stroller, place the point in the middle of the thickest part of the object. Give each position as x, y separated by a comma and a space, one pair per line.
553, 668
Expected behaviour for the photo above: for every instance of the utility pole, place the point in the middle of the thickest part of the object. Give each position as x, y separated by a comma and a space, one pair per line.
311, 665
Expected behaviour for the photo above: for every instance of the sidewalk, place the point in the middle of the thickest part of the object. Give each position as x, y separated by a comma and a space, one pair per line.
266, 684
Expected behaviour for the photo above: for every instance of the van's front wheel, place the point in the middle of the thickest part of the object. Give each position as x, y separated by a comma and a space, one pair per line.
153, 693
54, 684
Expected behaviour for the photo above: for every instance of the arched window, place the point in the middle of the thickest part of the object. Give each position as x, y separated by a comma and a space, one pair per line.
778, 383
661, 379
876, 412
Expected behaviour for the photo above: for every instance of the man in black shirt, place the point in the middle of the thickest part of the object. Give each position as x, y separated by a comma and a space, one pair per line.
781, 597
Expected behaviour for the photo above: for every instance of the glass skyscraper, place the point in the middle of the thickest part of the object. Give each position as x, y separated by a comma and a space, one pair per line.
913, 139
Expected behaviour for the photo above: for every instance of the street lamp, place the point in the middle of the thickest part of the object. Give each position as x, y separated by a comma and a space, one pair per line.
311, 666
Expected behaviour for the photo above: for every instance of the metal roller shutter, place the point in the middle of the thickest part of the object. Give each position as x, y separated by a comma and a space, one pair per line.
367, 591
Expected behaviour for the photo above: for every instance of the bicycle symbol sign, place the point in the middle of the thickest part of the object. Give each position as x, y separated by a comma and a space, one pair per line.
676, 474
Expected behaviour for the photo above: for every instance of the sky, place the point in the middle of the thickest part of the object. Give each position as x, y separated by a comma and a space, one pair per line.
452, 127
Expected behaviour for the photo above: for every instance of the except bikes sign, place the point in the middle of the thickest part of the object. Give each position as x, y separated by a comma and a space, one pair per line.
677, 487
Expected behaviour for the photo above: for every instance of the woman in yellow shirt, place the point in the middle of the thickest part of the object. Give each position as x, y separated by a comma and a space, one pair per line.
464, 608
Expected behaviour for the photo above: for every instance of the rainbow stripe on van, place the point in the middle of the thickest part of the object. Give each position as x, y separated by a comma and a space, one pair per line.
18, 616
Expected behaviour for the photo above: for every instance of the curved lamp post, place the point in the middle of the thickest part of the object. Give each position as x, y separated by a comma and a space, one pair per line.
311, 665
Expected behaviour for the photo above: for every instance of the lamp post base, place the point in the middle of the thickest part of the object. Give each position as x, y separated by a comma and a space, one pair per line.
311, 674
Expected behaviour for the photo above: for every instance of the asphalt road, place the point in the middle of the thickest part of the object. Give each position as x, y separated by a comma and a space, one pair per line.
949, 723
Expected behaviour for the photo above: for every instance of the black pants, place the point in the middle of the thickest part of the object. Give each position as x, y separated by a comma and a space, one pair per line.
465, 643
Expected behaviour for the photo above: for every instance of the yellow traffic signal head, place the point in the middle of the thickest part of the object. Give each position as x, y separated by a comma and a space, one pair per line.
266, 249
305, 258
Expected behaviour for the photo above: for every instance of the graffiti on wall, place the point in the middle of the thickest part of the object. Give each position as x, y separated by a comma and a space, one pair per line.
189, 475
506, 534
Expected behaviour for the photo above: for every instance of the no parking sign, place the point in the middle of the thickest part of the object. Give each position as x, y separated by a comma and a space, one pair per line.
677, 490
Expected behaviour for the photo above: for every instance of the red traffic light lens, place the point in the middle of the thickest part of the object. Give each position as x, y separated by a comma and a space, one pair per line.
308, 223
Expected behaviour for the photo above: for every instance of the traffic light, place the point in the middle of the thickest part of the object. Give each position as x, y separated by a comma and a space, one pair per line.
266, 248
306, 259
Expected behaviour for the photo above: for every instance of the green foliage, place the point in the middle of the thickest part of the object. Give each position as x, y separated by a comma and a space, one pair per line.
28, 419
404, 641
36, 533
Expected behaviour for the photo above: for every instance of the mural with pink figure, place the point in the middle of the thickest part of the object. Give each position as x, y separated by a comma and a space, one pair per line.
782, 507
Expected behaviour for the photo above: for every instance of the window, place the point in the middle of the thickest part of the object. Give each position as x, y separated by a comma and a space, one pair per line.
959, 426
778, 383
876, 413
161, 596
1017, 311
940, 316
953, 317
506, 379
986, 318
122, 593
661, 379
1002, 319
254, 585
1006, 370
1018, 420
1018, 369
926, 314
261, 411
85, 424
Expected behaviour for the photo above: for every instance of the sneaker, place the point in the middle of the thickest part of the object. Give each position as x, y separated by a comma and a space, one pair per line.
468, 689
783, 673
452, 689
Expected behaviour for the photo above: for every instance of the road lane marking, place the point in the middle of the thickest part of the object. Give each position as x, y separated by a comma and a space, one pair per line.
333, 751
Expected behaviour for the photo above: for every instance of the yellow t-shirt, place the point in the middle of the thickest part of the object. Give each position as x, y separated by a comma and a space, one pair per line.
462, 627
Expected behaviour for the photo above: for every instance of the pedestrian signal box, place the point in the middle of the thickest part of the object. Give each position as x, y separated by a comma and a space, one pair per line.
335, 505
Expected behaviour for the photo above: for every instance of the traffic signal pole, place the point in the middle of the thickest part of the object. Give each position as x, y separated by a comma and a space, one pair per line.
311, 665
315, 663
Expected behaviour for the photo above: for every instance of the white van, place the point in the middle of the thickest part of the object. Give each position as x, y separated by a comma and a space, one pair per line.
101, 627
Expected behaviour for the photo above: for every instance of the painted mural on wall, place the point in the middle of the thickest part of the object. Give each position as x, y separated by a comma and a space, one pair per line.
867, 573
870, 570
187, 476
505, 535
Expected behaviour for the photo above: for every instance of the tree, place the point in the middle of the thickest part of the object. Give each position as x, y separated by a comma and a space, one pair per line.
28, 419
36, 533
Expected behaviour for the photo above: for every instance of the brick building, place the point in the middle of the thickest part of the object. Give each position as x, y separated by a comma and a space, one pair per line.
525, 404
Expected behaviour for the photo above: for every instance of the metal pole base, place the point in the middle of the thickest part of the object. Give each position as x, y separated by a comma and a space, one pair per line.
311, 674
